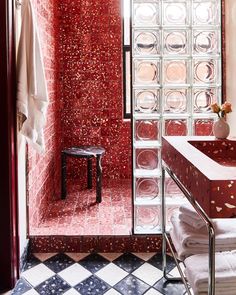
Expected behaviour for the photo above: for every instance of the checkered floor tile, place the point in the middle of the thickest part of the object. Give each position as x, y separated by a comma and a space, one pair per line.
96, 274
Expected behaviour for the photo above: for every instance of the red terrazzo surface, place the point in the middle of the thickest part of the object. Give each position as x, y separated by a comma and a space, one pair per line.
82, 50
85, 244
201, 171
82, 56
90, 53
79, 214
43, 171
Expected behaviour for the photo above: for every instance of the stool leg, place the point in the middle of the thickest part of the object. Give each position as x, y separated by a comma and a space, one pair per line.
89, 173
63, 176
99, 180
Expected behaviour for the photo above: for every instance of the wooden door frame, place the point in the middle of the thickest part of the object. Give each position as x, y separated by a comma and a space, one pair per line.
9, 245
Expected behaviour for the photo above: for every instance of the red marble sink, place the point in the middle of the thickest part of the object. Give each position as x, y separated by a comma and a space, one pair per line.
207, 168
223, 152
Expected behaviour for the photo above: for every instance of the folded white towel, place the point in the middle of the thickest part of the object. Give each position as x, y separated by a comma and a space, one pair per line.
197, 272
188, 210
188, 240
190, 216
196, 223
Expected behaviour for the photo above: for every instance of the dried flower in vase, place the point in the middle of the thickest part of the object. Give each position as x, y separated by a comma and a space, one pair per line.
222, 110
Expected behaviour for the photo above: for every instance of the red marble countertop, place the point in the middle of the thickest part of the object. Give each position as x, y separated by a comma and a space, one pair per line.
207, 168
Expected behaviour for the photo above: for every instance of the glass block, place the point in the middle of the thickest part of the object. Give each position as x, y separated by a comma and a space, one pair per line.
176, 42
203, 98
147, 189
175, 13
175, 100
147, 218
203, 127
205, 42
175, 71
205, 71
146, 72
146, 42
147, 130
172, 190
205, 13
147, 101
147, 158
175, 127
146, 14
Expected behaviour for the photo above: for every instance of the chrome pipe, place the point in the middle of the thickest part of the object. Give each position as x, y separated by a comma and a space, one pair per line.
163, 223
182, 277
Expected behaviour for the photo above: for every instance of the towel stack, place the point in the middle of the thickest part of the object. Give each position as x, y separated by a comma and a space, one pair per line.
188, 215
190, 238
197, 273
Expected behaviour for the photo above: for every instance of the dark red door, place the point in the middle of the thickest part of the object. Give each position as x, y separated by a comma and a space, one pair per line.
8, 186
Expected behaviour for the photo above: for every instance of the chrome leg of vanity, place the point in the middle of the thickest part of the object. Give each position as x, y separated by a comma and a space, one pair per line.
163, 223
166, 239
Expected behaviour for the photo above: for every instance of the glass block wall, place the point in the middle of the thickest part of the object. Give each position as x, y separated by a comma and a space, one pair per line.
176, 75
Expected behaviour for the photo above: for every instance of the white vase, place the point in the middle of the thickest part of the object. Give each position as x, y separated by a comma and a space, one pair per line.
221, 129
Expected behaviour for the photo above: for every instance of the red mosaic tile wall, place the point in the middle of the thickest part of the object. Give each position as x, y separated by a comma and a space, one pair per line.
91, 83
43, 171
81, 45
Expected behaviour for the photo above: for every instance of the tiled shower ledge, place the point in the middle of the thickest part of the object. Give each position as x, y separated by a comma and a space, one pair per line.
104, 244
77, 224
80, 215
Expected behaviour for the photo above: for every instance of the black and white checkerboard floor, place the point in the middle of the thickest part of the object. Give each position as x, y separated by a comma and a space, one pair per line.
96, 274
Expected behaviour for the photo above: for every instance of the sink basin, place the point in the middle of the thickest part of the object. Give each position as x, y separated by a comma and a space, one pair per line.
222, 152
207, 168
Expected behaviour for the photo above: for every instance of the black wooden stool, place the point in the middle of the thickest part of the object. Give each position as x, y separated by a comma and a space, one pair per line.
88, 152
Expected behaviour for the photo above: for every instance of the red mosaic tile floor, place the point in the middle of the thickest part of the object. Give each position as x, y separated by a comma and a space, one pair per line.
80, 215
